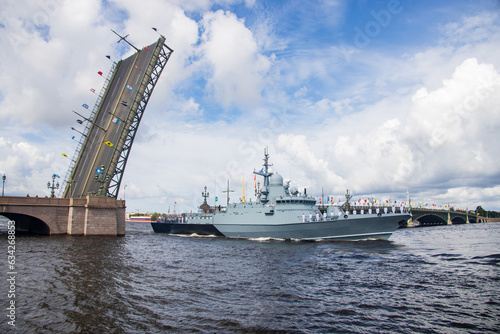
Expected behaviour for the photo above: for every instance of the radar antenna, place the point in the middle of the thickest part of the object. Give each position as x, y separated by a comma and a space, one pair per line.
266, 174
228, 191
347, 204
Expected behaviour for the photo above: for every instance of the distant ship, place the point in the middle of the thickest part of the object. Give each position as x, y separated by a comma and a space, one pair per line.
141, 219
199, 223
280, 212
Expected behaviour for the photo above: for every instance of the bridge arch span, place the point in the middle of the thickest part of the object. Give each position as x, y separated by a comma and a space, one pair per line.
27, 224
458, 220
50, 216
430, 220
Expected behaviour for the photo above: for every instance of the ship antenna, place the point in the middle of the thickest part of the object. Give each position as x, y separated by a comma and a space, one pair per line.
266, 164
265, 173
348, 197
228, 191
266, 160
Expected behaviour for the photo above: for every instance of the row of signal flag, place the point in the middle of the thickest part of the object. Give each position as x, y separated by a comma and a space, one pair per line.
374, 202
86, 106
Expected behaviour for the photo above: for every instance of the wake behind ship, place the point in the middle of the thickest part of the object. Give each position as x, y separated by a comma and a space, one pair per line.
281, 212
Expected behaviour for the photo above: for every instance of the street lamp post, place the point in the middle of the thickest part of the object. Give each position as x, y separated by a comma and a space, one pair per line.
53, 186
3, 183
72, 128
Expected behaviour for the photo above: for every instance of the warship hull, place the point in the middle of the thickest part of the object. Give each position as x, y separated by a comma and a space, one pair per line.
351, 228
186, 229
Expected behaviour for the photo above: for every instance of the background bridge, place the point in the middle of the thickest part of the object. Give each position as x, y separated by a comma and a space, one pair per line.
424, 216
429, 217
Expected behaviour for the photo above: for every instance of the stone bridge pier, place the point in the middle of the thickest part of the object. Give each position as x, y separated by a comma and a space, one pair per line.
74, 216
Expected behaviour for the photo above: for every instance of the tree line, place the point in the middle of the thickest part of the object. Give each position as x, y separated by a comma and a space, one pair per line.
490, 214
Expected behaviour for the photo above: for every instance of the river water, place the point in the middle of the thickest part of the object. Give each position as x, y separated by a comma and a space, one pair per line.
442, 279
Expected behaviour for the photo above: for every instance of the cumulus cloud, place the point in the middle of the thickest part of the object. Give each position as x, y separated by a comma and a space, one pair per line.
237, 67
40, 69
24, 164
298, 150
449, 130
471, 29
443, 138
423, 117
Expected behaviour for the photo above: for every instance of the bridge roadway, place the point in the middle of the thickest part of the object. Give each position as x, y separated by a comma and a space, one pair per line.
96, 152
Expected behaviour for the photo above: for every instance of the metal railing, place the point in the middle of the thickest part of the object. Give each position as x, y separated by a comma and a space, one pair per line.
83, 137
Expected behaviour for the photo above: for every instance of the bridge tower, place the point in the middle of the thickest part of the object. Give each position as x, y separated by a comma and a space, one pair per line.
106, 142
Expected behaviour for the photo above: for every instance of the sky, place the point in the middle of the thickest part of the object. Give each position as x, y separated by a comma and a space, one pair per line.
384, 98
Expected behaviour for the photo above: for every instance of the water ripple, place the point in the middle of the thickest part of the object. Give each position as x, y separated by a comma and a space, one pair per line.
430, 280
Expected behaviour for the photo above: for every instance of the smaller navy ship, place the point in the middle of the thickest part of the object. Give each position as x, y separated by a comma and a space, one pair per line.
198, 223
281, 212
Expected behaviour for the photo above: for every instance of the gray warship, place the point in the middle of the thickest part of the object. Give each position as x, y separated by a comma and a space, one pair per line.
281, 212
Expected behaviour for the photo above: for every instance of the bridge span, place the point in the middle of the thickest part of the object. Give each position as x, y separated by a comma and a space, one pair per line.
92, 215
101, 156
430, 217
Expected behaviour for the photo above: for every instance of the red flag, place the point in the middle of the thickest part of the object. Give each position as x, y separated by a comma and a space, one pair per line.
100, 73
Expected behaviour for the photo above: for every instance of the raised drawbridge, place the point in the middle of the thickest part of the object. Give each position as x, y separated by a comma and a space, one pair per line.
101, 156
